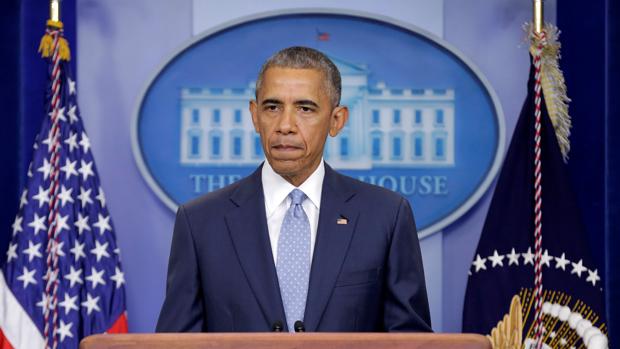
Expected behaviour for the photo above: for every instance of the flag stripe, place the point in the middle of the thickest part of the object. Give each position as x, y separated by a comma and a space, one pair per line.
17, 327
4, 343
119, 326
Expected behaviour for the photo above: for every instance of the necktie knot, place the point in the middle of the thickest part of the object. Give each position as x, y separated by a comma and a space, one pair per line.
297, 196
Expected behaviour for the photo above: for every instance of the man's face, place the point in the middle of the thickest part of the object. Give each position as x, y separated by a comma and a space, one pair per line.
293, 115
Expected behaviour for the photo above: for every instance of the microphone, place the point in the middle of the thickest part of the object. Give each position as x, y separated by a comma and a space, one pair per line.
299, 326
277, 326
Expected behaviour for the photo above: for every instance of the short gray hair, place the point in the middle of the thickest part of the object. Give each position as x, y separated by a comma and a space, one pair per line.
298, 57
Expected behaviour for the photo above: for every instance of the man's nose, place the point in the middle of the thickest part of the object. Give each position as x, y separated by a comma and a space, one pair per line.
286, 121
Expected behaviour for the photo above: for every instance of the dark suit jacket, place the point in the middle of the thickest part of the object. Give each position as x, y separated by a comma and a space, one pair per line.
366, 275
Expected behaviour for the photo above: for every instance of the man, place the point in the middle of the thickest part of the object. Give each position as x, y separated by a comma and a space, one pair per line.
296, 246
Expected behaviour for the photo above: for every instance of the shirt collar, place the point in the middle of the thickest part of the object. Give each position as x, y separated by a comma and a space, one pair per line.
278, 188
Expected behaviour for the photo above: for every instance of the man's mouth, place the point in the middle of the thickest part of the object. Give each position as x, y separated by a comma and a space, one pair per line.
286, 147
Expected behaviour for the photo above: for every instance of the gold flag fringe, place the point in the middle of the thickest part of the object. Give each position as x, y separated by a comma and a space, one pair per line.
508, 334
47, 42
553, 84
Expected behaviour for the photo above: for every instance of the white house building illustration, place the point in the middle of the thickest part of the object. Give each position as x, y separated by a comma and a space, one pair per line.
387, 127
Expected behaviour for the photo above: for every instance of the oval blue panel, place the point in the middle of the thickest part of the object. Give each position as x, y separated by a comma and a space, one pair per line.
423, 122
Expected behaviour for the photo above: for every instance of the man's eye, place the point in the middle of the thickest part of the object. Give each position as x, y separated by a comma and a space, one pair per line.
271, 107
306, 109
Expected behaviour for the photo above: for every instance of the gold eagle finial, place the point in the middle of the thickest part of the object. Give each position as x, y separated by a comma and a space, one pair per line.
508, 334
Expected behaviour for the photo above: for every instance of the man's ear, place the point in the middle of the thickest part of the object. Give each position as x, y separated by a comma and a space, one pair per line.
339, 118
253, 111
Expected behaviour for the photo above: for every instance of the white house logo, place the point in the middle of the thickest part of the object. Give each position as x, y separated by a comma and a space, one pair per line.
387, 126
422, 123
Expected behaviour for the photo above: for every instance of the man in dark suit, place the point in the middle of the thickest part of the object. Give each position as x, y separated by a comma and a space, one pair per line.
296, 246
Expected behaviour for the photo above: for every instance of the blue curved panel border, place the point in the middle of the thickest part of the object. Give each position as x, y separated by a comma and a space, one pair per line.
424, 121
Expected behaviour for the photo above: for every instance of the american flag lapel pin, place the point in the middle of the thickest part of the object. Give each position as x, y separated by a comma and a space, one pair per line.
342, 220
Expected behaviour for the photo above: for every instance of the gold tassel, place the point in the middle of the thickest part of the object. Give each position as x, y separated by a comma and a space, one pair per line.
46, 48
554, 86
63, 50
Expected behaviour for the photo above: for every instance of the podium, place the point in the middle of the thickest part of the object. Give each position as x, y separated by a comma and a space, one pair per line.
287, 341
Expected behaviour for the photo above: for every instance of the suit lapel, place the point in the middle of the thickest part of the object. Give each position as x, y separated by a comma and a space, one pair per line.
331, 246
248, 229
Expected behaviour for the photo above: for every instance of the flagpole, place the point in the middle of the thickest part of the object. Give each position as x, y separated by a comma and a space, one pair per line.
539, 18
55, 10
539, 40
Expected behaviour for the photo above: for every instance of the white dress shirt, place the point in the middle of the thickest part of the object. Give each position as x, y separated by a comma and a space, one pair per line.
277, 202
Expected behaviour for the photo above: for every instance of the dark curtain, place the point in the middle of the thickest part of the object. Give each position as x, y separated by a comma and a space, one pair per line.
612, 219
23, 80
590, 63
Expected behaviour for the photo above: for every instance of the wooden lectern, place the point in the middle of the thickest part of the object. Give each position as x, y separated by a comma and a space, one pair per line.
287, 341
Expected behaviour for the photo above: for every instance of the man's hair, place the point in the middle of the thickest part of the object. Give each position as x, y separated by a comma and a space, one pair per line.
298, 57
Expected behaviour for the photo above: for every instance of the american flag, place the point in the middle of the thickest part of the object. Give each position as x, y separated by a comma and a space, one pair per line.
322, 36
62, 280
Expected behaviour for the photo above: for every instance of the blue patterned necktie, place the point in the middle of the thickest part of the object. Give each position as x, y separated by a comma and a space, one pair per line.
293, 265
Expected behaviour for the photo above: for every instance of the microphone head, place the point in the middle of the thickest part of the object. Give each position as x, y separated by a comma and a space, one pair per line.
299, 326
277, 326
